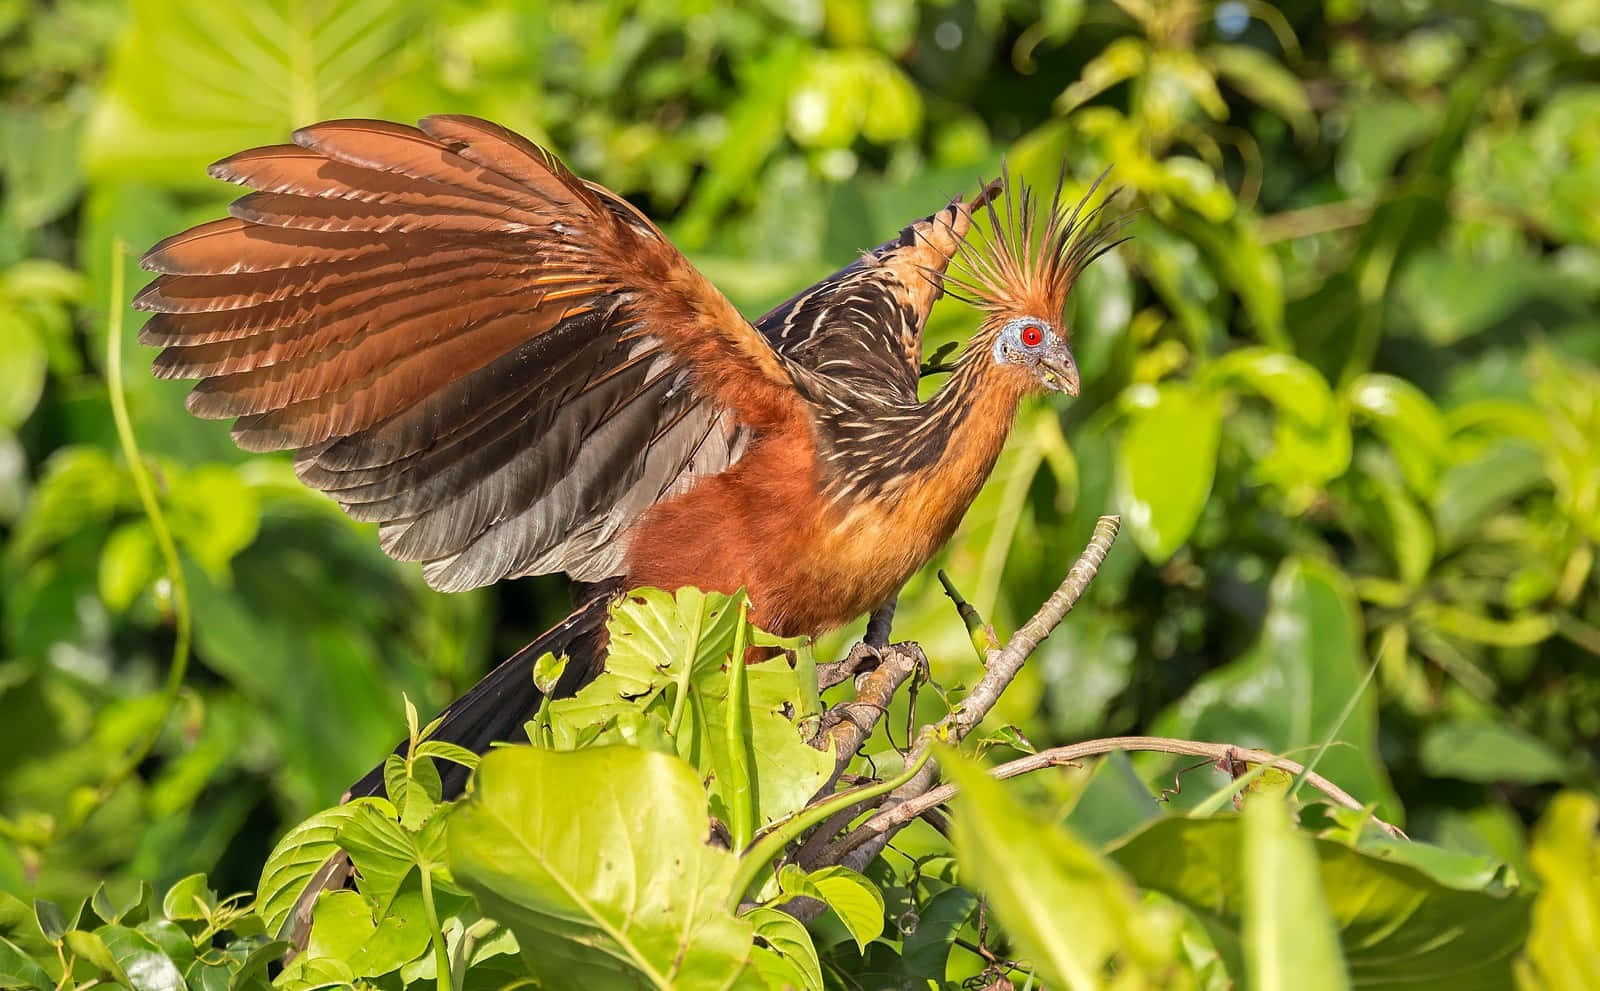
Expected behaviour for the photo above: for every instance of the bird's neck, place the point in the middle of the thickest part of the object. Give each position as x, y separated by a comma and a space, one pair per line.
974, 410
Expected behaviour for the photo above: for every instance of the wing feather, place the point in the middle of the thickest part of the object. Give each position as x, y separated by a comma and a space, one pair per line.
501, 364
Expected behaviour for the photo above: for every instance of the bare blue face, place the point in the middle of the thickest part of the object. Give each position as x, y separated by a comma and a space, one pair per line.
1035, 345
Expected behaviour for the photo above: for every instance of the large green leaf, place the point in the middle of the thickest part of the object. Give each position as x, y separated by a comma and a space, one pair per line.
1288, 691
667, 647
297, 857
1070, 912
1397, 926
192, 81
1166, 461
597, 859
1564, 948
1290, 941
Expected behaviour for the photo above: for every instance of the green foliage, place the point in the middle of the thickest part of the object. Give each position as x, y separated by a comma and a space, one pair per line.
630, 886
1343, 385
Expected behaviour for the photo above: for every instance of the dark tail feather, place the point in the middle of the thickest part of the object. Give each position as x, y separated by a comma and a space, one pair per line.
496, 708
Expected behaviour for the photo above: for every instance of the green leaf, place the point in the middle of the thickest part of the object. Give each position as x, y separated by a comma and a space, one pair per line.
925, 953
1452, 868
128, 561
1409, 423
1311, 436
17, 969
1166, 460
614, 891
1192, 183
297, 857
663, 645
189, 899
343, 931
1071, 913
413, 786
146, 966
1290, 941
133, 909
1114, 803
91, 947
1489, 751
24, 363
1393, 517
854, 898
1563, 952
386, 851
789, 957
50, 919
175, 98
1396, 924
1289, 689
452, 752
81, 487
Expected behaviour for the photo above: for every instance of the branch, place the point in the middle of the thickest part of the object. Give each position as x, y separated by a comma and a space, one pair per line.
899, 815
857, 718
1004, 666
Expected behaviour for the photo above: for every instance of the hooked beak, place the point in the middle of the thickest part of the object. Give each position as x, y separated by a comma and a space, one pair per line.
1059, 372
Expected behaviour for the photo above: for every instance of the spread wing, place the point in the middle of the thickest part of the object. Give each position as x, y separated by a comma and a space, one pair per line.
501, 364
861, 328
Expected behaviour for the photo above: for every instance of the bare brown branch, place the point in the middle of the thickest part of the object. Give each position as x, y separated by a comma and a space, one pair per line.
1003, 667
899, 815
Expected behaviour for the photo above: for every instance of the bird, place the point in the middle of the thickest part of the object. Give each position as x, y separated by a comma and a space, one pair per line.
512, 371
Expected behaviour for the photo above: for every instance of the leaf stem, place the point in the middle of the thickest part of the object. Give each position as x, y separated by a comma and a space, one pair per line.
441, 950
145, 489
742, 802
770, 844
692, 647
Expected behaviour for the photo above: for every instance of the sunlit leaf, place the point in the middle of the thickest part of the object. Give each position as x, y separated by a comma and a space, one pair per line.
1290, 941
789, 958
1071, 913
619, 889
175, 99
1166, 460
294, 862
1563, 952
669, 660
1394, 922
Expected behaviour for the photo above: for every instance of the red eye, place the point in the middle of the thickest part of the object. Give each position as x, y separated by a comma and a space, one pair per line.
1032, 336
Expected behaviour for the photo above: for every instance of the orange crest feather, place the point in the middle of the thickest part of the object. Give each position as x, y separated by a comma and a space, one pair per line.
1024, 268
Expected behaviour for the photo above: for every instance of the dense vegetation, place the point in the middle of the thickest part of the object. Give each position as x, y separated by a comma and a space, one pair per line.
1343, 386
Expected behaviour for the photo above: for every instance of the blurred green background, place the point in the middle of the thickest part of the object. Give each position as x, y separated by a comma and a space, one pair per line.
1344, 384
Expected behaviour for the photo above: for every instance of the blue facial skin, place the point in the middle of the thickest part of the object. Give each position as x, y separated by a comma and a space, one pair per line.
1050, 359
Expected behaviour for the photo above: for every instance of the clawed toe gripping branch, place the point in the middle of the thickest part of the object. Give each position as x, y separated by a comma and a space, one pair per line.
853, 835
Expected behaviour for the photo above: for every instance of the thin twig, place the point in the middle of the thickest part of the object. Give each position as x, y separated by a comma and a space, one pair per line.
977, 631
899, 815
1004, 666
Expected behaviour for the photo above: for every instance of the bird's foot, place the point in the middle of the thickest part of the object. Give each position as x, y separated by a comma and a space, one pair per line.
863, 657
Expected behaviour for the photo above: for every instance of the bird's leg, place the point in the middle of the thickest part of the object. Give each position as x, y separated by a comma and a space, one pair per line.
879, 622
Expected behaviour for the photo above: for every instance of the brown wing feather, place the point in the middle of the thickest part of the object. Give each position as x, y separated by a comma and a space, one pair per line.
862, 326
497, 361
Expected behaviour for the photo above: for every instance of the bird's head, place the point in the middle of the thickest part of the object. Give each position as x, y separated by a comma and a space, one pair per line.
1020, 275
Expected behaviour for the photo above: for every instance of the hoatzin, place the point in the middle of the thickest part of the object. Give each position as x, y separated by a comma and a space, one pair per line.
513, 372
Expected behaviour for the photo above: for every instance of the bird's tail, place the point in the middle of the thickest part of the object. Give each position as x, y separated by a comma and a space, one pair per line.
496, 708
